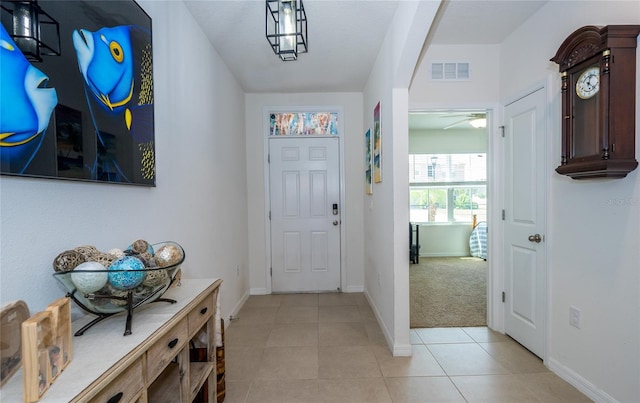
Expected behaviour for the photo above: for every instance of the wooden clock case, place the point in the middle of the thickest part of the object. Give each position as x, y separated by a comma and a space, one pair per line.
598, 134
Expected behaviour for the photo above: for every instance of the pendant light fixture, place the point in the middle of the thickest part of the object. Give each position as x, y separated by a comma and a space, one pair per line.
30, 24
286, 28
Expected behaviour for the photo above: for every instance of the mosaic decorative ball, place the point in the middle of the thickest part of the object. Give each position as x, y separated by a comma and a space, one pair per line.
126, 273
89, 277
168, 255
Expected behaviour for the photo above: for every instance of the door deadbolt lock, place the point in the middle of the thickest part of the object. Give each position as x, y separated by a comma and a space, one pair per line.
535, 238
335, 208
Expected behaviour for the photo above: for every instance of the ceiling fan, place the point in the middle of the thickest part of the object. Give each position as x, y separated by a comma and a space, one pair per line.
477, 120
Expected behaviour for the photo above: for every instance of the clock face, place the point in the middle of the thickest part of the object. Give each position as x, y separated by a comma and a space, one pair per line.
588, 84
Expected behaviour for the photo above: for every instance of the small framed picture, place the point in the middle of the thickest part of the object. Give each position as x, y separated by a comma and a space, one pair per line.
46, 348
60, 352
12, 314
37, 340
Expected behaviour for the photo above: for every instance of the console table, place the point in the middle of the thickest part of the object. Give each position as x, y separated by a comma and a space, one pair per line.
150, 365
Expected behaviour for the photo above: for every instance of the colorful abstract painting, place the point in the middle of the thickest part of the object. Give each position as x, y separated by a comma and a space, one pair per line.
368, 175
377, 145
87, 114
303, 124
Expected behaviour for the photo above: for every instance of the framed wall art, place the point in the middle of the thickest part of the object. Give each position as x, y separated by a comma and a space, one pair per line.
377, 145
77, 103
368, 166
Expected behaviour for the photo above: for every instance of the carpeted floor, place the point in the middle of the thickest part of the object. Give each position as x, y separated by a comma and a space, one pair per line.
448, 292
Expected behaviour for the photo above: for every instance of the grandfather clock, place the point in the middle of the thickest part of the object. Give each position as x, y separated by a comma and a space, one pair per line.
598, 71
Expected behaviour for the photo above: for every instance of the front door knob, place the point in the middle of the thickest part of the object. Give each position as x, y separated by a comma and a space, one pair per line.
535, 238
335, 222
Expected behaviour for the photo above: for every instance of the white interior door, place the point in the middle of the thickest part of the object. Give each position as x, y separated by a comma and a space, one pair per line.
525, 221
304, 179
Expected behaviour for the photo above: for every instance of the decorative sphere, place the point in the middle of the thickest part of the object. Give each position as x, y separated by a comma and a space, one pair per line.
118, 253
141, 246
89, 277
126, 273
68, 260
86, 250
145, 257
156, 278
168, 255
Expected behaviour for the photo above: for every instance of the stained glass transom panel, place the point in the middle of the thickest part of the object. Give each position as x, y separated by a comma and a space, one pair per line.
303, 124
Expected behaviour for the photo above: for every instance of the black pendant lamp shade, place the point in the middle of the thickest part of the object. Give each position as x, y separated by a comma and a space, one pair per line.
286, 28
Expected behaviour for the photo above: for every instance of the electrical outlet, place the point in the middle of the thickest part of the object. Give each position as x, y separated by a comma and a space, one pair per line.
379, 280
237, 270
574, 317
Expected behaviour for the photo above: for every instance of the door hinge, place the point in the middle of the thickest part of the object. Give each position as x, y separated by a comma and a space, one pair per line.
503, 214
271, 271
501, 128
503, 296
269, 214
268, 158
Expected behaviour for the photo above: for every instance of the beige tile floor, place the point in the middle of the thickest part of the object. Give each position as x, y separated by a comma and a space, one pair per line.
329, 348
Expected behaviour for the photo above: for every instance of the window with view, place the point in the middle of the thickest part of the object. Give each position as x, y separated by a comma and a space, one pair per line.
448, 188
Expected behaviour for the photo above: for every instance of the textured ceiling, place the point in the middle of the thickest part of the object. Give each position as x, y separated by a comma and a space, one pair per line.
344, 38
468, 22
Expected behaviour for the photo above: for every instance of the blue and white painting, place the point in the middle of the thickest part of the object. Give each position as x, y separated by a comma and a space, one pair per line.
26, 105
87, 114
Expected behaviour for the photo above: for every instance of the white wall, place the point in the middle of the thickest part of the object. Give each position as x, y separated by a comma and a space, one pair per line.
594, 226
447, 142
200, 200
351, 104
387, 210
481, 89
445, 240
593, 234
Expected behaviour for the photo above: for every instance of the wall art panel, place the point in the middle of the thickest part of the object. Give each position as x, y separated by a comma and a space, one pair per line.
87, 113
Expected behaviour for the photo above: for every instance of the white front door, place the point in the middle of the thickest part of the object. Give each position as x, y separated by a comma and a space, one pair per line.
525, 215
304, 178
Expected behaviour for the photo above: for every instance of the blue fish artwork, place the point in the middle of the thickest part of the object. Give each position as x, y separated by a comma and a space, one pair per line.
106, 63
26, 105
116, 65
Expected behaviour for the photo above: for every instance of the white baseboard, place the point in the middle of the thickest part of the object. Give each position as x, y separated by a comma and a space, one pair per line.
398, 350
236, 309
263, 291
577, 381
258, 291
450, 254
402, 350
385, 331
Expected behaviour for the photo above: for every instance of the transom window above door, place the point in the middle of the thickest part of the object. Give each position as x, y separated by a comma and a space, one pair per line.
303, 124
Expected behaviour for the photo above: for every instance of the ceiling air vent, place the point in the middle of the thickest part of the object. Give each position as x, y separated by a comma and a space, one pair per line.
449, 71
